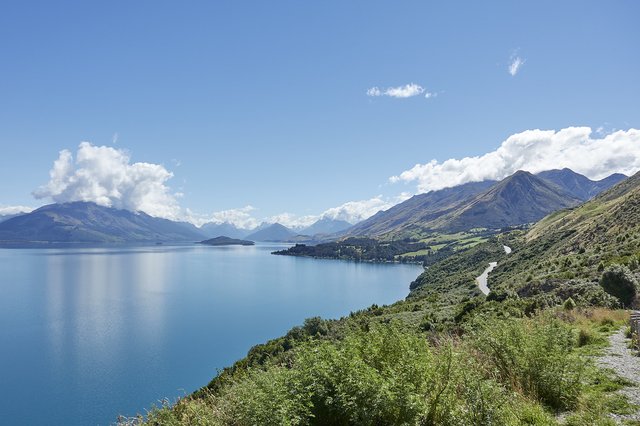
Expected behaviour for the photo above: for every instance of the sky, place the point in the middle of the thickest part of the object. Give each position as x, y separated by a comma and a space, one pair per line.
288, 111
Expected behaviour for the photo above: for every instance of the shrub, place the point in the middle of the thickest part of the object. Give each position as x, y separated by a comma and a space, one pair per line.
535, 356
569, 304
619, 282
586, 336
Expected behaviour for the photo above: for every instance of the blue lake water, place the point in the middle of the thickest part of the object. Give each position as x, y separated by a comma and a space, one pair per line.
90, 333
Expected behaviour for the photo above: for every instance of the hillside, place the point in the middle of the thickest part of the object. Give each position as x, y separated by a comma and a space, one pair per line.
6, 217
578, 244
519, 199
91, 223
418, 211
563, 254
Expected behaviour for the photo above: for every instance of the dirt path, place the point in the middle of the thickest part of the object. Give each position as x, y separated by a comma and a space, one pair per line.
625, 363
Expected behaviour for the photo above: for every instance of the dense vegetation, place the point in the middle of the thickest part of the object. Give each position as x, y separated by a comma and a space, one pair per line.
428, 250
497, 370
359, 249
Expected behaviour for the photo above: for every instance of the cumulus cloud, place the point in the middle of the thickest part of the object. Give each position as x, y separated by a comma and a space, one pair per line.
11, 210
535, 151
406, 91
515, 63
105, 176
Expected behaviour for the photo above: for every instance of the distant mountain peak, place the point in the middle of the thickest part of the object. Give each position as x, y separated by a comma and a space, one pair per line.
579, 185
273, 232
325, 225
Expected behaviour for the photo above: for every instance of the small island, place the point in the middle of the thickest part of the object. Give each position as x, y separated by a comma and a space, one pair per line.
226, 241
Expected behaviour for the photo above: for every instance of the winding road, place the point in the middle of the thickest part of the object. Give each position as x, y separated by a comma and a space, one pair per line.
482, 279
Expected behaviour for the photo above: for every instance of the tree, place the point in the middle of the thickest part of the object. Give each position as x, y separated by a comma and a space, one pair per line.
619, 282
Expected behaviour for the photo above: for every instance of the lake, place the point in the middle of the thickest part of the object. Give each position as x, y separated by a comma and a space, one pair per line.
90, 333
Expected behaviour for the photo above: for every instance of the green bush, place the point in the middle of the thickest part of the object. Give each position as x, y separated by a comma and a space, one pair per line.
535, 356
618, 281
569, 304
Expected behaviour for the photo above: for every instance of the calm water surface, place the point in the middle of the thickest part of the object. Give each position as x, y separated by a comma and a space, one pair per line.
87, 334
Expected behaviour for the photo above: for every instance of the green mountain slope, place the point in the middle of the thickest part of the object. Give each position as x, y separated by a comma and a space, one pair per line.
519, 199
413, 214
563, 255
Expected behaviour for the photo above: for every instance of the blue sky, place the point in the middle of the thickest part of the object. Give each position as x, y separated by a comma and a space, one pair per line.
265, 103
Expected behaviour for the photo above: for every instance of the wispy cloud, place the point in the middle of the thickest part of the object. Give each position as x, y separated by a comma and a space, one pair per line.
535, 151
515, 63
400, 92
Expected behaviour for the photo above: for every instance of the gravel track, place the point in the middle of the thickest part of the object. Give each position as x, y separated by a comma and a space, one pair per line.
626, 364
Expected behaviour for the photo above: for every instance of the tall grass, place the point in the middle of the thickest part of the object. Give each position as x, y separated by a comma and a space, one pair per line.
533, 356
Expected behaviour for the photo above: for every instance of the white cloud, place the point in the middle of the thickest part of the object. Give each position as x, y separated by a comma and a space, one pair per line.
406, 91
356, 211
374, 91
535, 151
241, 217
291, 220
9, 210
352, 212
105, 176
515, 63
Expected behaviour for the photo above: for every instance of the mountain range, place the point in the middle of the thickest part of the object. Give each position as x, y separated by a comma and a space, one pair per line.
322, 227
521, 198
90, 223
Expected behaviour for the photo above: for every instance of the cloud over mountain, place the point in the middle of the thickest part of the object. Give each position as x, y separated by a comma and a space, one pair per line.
105, 176
535, 151
355, 211
11, 210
